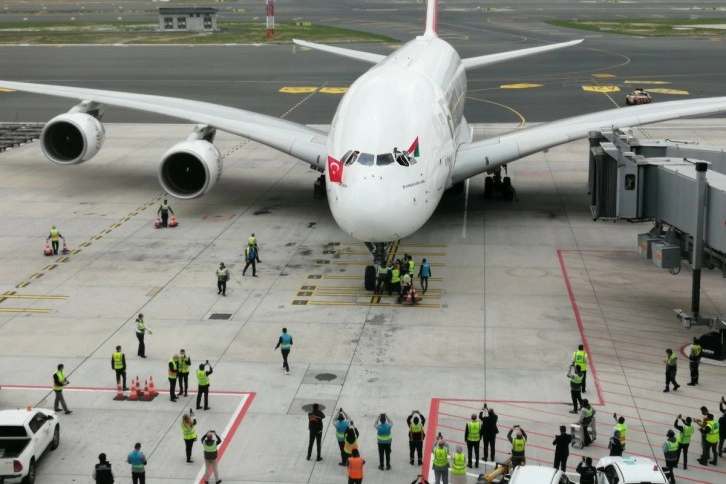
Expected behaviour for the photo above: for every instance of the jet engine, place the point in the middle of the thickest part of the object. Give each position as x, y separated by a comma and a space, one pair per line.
72, 138
190, 168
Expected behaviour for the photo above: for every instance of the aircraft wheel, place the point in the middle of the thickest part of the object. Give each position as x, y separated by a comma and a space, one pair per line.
488, 187
370, 278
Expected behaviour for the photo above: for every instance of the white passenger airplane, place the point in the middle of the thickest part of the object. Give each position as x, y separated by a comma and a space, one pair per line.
397, 141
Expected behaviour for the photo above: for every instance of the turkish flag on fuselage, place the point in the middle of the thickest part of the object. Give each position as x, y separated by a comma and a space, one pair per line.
335, 170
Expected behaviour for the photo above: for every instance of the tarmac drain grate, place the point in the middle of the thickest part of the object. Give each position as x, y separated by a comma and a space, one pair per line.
308, 407
224, 316
325, 377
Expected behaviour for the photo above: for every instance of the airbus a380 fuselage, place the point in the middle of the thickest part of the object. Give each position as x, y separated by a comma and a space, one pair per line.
416, 93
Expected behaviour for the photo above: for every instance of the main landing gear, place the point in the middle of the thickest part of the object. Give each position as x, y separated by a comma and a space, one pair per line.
498, 184
379, 251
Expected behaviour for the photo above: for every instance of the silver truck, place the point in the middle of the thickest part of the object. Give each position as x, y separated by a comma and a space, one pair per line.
25, 435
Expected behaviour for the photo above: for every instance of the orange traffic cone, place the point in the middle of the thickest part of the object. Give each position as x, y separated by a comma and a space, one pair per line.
65, 247
119, 393
47, 250
138, 387
157, 224
147, 395
152, 390
411, 296
173, 222
133, 395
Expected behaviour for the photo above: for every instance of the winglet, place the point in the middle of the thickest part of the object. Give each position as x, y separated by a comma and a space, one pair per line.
432, 18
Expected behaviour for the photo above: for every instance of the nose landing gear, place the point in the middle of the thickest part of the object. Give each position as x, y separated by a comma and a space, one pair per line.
379, 251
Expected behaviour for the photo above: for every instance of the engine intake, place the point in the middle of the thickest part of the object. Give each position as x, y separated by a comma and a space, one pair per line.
190, 169
72, 138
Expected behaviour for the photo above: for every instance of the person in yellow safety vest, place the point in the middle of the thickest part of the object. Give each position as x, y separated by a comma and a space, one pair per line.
441, 460
671, 368
351, 439
188, 433
59, 381
416, 435
458, 466
183, 375
252, 240
395, 281
519, 442
575, 376
411, 265
53, 237
118, 364
579, 357
621, 428
381, 278
164, 210
172, 373
211, 442
694, 359
141, 330
587, 415
472, 434
684, 438
203, 384
710, 444
222, 278
670, 453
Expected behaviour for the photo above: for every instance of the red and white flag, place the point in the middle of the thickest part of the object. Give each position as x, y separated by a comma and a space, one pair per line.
335, 170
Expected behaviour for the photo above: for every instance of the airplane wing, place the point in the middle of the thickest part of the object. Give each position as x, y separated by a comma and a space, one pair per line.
485, 60
480, 156
353, 54
302, 142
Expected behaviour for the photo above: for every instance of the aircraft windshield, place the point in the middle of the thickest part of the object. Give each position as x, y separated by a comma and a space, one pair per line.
368, 159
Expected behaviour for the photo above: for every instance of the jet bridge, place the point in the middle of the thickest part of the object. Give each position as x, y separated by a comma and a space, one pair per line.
680, 186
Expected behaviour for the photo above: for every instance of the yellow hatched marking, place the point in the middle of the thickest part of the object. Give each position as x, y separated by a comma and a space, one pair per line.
298, 90
50, 267
125, 219
63, 259
650, 83
21, 310
519, 86
603, 76
116, 225
75, 251
423, 254
22, 285
107, 231
601, 88
334, 90
30, 296
37, 275
675, 92
95, 237
4, 89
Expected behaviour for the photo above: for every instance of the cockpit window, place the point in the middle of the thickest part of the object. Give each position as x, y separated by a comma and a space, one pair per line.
349, 157
366, 159
384, 159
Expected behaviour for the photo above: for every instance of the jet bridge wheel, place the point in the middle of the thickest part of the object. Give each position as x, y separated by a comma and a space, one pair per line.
370, 278
488, 187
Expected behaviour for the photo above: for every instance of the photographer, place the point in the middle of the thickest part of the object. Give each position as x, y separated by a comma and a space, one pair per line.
211, 442
383, 426
416, 435
587, 472
519, 442
342, 422
188, 433
203, 384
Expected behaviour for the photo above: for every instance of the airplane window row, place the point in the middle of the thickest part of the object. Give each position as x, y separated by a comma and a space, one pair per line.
367, 159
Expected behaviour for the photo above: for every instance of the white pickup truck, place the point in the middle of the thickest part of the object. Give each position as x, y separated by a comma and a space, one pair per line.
24, 436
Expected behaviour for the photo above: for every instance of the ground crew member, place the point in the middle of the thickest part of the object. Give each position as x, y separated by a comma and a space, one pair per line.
355, 468
575, 376
315, 427
183, 373
383, 426
489, 431
381, 279
164, 210
351, 440
711, 433
562, 448
211, 443
721, 426
416, 435
579, 357
671, 367
472, 434
411, 265
406, 287
621, 428
587, 472
53, 237
172, 373
252, 240
519, 442
188, 433
203, 384
141, 330
395, 282
441, 460
284, 343
458, 466
670, 453
424, 272
587, 414
118, 364
685, 432
614, 444
222, 278
694, 359
341, 425
250, 256
102, 472
137, 459
59, 381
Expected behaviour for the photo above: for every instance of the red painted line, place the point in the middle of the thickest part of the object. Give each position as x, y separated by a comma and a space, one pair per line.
431, 432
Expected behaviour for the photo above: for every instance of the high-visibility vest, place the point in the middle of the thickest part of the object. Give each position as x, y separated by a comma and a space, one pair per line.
210, 445
250, 254
251, 240
183, 365
164, 208
459, 464
696, 350
587, 413
340, 427
118, 360
285, 341
670, 450
712, 436
383, 272
411, 266
140, 326
441, 458
684, 437
222, 274
623, 429
384, 433
202, 378
347, 446
416, 431
406, 279
136, 459
474, 431
188, 431
518, 445
355, 467
580, 358
395, 276
54, 233
172, 372
671, 362
61, 379
575, 381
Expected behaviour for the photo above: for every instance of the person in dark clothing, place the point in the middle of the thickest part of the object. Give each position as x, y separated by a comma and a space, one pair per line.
203, 384
562, 448
575, 375
671, 368
615, 445
587, 414
211, 442
721, 426
315, 426
172, 374
670, 453
587, 472
489, 431
102, 472
416, 435
118, 364
694, 359
250, 256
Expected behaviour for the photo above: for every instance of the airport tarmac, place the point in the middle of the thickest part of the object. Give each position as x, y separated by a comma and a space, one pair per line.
517, 286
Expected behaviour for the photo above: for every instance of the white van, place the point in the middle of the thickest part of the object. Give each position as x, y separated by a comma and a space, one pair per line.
538, 475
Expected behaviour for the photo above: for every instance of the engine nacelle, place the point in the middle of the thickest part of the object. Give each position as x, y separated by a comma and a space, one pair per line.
72, 138
190, 169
